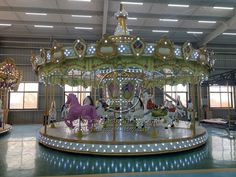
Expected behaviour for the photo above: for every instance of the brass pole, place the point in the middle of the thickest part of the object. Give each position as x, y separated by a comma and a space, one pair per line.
199, 101
94, 88
193, 103
2, 98
228, 105
46, 107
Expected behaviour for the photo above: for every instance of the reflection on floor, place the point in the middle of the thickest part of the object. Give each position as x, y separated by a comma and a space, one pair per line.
21, 155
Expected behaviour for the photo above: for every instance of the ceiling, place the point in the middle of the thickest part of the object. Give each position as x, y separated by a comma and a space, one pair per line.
59, 15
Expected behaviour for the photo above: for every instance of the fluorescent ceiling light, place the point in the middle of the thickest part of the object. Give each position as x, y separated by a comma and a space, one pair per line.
82, 16
160, 31
223, 8
132, 3
202, 21
178, 5
231, 34
194, 32
32, 13
83, 28
130, 29
81, 0
43, 26
132, 18
3, 24
168, 20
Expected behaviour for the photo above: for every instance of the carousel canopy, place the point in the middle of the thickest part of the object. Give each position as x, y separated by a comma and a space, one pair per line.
156, 64
10, 76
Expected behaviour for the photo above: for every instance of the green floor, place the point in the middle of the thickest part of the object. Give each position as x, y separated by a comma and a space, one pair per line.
21, 155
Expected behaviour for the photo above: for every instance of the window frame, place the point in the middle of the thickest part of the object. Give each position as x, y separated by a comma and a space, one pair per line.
76, 92
231, 97
175, 91
23, 106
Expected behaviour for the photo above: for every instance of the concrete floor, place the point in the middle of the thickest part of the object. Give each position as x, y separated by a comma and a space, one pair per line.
21, 155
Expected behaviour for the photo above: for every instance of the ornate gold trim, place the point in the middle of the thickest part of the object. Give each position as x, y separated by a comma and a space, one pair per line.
82, 42
203, 56
107, 43
187, 50
137, 52
164, 43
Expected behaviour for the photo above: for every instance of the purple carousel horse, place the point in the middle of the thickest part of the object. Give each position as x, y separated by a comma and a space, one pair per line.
76, 111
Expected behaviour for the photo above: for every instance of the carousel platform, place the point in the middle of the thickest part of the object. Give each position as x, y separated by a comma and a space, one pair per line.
6, 129
124, 140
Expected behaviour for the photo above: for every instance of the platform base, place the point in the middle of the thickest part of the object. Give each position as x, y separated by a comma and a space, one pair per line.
6, 129
127, 141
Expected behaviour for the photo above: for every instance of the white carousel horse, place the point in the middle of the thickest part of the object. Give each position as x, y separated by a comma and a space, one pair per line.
190, 110
179, 107
137, 112
100, 110
171, 113
52, 116
1, 113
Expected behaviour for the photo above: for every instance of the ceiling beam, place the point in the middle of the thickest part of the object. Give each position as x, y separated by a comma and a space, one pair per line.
190, 2
104, 21
68, 24
219, 30
110, 13
51, 11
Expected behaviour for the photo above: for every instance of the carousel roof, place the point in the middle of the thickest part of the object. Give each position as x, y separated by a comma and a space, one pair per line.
160, 63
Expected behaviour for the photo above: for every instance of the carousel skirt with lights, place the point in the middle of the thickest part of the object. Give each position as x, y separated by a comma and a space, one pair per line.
6, 129
125, 140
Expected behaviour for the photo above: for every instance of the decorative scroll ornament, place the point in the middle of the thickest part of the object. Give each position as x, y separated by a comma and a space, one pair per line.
187, 50
137, 46
79, 47
106, 48
203, 56
165, 48
43, 55
57, 52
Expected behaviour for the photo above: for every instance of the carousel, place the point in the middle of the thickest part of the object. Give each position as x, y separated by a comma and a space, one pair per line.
10, 78
121, 117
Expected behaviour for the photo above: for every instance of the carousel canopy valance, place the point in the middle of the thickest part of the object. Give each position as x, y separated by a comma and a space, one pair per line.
161, 62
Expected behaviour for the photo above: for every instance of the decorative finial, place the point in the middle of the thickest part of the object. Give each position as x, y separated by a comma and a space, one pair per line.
121, 28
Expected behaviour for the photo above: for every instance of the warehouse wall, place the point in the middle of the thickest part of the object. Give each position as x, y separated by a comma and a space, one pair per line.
21, 50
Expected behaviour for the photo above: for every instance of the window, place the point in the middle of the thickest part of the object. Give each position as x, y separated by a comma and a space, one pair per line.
26, 97
221, 97
175, 91
79, 91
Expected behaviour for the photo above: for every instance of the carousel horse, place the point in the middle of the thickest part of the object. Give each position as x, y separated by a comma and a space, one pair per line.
102, 108
52, 117
136, 113
190, 110
179, 107
1, 114
148, 105
76, 111
171, 113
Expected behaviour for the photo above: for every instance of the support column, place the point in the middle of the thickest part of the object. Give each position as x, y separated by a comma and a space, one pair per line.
194, 105
228, 110
199, 96
45, 118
